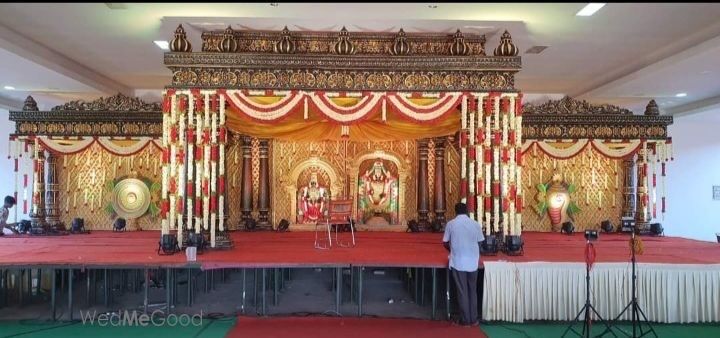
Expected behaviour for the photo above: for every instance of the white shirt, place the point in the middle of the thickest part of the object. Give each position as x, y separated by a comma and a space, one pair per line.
464, 233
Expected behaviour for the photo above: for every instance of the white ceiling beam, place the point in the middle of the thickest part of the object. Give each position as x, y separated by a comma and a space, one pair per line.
11, 104
698, 42
695, 107
22, 46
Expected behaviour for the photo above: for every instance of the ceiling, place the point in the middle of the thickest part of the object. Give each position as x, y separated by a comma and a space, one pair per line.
625, 54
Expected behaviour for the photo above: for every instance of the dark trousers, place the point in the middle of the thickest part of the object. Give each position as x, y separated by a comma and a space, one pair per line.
467, 298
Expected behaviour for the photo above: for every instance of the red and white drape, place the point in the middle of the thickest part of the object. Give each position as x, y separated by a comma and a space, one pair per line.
368, 103
491, 160
194, 139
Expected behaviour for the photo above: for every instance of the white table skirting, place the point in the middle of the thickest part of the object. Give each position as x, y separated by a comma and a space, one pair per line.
667, 293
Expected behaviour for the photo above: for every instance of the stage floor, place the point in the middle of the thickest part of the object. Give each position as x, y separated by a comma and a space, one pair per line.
295, 249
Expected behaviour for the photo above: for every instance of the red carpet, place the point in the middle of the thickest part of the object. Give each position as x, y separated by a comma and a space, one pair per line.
348, 327
295, 249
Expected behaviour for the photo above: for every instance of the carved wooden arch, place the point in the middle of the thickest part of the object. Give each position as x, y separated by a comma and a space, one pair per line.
403, 177
292, 189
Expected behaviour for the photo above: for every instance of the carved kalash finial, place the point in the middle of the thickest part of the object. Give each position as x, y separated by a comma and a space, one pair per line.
180, 42
459, 46
228, 44
400, 46
652, 108
506, 47
286, 45
344, 46
30, 104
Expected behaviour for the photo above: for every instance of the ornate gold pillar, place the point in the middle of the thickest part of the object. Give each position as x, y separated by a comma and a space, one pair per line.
246, 193
628, 209
423, 206
439, 189
264, 182
52, 207
37, 214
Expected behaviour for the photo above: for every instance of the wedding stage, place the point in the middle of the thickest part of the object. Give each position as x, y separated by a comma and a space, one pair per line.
678, 279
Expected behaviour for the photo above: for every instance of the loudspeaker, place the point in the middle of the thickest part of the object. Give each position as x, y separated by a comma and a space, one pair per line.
436, 226
78, 225
197, 240
514, 245
24, 226
607, 226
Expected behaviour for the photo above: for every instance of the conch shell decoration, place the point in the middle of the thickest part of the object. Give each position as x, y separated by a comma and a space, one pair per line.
554, 199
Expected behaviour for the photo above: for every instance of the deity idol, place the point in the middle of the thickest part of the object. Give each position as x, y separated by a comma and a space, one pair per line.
311, 201
378, 195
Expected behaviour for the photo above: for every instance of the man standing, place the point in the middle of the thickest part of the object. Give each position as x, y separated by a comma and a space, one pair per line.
5, 213
462, 239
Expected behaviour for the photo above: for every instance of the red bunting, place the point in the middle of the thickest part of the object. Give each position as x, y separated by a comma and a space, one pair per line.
182, 105
164, 208
518, 158
472, 104
479, 136
463, 188
479, 186
505, 204
173, 134
180, 206
497, 138
471, 203
173, 186
463, 138
513, 192
214, 102
496, 188
213, 204
190, 190
166, 104
511, 136
488, 203
198, 153
471, 153
504, 105
505, 155
166, 155
488, 106
206, 187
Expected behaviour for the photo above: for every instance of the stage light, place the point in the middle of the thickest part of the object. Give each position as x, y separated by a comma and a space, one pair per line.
9, 88
24, 226
119, 224
607, 226
591, 235
681, 95
197, 239
250, 224
590, 9
436, 226
164, 45
168, 245
656, 229
513, 245
283, 225
490, 245
567, 228
78, 225
413, 226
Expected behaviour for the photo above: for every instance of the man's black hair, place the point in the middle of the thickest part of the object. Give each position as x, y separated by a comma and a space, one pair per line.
461, 209
10, 200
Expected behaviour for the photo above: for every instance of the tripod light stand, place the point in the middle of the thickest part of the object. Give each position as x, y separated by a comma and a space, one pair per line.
637, 323
588, 309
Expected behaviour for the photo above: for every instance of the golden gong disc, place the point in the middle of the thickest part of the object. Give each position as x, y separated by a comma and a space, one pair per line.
131, 198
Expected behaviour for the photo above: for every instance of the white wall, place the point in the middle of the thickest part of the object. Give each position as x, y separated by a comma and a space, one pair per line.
7, 166
691, 211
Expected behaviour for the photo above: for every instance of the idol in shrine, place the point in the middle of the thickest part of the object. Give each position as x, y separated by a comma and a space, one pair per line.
312, 201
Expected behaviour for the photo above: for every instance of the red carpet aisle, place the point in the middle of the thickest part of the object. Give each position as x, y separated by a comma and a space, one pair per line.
344, 327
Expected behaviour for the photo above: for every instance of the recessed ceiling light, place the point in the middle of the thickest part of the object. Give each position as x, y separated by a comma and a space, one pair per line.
535, 49
680, 94
590, 9
9, 88
164, 45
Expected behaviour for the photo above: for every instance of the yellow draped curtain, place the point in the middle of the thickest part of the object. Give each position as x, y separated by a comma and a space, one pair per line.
319, 127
